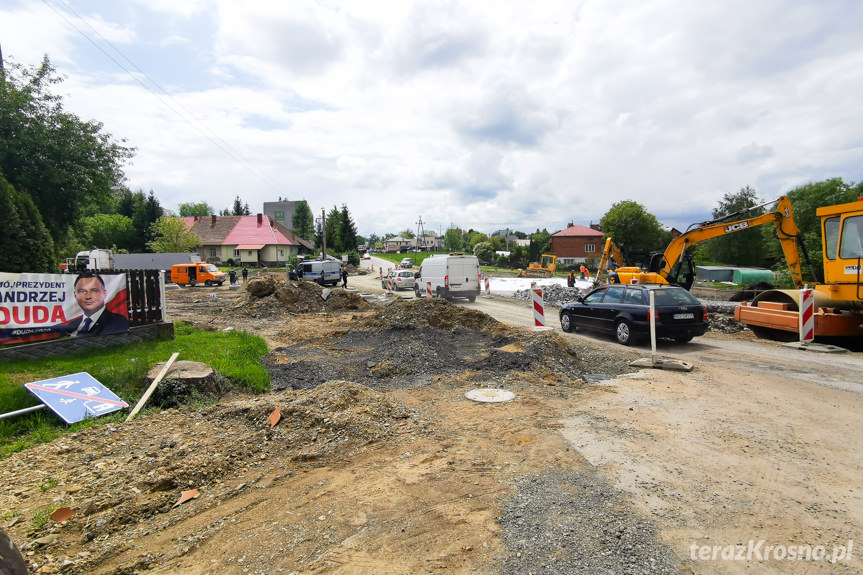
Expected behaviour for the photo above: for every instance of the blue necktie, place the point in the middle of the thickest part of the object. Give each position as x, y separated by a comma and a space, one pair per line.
85, 327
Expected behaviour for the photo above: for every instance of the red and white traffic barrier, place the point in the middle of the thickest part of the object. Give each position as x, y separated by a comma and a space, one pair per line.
538, 311
807, 315
487, 287
390, 284
428, 289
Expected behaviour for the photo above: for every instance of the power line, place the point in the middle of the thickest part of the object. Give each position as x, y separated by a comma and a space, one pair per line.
189, 117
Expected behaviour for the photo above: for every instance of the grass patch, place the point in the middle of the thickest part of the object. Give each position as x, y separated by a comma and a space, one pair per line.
122, 369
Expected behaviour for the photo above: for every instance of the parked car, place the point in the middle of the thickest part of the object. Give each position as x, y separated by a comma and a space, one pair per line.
623, 310
367, 256
407, 263
401, 279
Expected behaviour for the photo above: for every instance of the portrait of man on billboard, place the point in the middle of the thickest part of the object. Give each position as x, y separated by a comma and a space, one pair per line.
97, 319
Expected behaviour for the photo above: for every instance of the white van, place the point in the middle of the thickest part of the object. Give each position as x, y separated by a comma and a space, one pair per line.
450, 276
323, 272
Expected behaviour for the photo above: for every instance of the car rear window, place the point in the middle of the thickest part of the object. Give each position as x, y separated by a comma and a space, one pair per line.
406, 274
674, 297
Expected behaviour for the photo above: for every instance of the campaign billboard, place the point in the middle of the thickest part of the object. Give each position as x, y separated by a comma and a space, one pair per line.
36, 307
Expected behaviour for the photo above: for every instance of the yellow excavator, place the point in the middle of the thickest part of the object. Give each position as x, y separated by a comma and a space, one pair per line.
774, 314
668, 267
543, 269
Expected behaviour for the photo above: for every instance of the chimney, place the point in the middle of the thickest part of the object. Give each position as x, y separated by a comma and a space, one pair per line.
260, 219
213, 221
570, 224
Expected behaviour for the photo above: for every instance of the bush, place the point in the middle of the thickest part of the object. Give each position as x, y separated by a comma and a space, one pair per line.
502, 261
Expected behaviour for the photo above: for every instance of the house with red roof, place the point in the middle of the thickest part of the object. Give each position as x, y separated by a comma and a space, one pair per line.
576, 244
247, 240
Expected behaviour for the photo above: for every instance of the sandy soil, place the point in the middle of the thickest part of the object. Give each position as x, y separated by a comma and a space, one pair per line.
759, 442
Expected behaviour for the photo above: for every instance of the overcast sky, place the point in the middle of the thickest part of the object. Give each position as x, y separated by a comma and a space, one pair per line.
483, 114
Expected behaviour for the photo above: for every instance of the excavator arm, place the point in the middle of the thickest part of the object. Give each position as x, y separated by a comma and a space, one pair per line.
786, 230
610, 252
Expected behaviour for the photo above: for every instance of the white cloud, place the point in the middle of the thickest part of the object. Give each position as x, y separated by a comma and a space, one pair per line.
484, 114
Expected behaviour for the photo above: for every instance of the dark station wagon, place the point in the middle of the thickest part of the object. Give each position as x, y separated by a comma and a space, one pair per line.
624, 310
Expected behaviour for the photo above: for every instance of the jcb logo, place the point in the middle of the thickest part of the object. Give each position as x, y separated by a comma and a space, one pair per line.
736, 227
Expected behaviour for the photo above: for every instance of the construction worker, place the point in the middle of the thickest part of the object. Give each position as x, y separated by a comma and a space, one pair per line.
583, 271
570, 280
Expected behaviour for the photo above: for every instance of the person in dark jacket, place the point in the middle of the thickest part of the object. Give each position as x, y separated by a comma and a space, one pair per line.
344, 278
245, 274
90, 293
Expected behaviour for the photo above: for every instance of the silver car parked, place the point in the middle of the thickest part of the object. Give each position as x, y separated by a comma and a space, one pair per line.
402, 279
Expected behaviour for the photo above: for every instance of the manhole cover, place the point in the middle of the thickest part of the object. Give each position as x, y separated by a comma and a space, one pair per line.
489, 395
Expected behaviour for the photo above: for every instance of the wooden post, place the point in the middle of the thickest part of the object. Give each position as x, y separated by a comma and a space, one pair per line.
152, 387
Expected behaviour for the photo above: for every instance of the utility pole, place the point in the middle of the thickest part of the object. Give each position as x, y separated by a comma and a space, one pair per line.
420, 232
323, 234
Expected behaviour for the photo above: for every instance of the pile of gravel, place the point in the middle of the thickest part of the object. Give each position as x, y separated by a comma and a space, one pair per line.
568, 521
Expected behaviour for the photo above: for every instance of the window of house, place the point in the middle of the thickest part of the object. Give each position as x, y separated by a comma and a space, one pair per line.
212, 252
588, 248
250, 253
236, 252
279, 215
281, 253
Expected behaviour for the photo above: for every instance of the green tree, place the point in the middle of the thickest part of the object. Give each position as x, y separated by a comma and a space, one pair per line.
633, 228
60, 161
192, 209
144, 210
517, 257
303, 222
805, 200
348, 230
476, 238
334, 230
743, 248
453, 239
29, 246
114, 231
484, 251
540, 243
171, 235
238, 209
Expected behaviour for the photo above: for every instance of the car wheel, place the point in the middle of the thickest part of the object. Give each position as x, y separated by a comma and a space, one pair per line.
471, 298
208, 283
684, 339
566, 322
623, 332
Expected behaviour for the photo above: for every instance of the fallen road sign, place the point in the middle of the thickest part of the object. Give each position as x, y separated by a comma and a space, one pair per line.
76, 397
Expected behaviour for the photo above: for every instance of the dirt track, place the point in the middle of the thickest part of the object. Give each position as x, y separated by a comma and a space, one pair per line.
403, 475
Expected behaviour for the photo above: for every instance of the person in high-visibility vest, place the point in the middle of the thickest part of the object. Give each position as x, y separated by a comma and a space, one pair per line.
583, 271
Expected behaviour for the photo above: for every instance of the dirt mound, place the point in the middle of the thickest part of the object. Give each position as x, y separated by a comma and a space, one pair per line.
274, 296
119, 476
430, 312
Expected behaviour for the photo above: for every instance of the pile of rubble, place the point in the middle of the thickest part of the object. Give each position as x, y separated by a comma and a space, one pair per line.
275, 296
